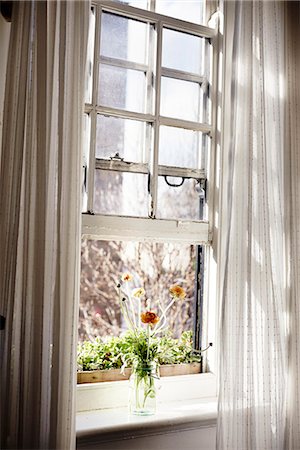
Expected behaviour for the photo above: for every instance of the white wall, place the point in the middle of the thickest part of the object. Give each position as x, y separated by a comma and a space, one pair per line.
197, 439
4, 43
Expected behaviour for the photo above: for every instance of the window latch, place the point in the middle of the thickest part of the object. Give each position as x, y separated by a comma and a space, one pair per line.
85, 177
174, 184
116, 157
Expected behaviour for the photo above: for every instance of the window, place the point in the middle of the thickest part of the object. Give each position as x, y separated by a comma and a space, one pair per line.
147, 153
154, 265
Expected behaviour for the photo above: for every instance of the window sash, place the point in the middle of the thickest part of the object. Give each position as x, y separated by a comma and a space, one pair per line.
153, 169
205, 128
116, 228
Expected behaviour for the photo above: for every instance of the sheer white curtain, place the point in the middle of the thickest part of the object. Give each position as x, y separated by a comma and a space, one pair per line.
259, 398
253, 348
292, 149
40, 186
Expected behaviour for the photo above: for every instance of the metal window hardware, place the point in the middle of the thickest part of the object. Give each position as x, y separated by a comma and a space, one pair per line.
174, 184
116, 157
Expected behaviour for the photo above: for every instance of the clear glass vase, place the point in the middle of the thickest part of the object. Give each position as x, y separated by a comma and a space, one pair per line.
144, 384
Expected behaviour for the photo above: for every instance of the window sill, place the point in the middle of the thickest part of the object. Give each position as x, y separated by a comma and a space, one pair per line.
187, 404
114, 394
96, 427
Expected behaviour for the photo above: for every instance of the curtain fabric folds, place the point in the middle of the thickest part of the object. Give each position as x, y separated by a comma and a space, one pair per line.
259, 397
292, 148
40, 188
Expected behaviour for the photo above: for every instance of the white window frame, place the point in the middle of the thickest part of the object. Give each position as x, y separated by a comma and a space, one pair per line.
108, 227
105, 227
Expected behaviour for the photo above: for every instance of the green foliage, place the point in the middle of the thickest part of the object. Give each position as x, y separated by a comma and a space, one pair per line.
129, 349
100, 354
135, 348
178, 351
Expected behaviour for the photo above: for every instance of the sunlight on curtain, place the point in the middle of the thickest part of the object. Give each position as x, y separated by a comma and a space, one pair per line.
253, 346
40, 187
292, 148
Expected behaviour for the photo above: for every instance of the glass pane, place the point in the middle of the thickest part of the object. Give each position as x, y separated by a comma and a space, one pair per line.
182, 51
154, 266
86, 137
179, 147
177, 202
191, 10
90, 58
86, 152
123, 136
119, 193
123, 38
180, 99
121, 88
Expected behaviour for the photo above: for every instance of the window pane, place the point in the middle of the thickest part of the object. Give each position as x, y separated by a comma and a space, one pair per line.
179, 147
86, 153
191, 10
182, 51
177, 202
123, 136
86, 137
154, 266
121, 88
123, 38
180, 99
119, 193
90, 58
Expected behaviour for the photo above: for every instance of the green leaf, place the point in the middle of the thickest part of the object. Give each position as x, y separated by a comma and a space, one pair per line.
130, 348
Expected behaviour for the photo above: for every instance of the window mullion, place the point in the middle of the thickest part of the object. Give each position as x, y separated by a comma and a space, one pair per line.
93, 114
124, 113
152, 5
206, 100
91, 169
211, 174
96, 57
149, 90
116, 62
121, 166
181, 75
180, 123
153, 163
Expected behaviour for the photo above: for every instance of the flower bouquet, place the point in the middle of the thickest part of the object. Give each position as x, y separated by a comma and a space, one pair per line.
144, 327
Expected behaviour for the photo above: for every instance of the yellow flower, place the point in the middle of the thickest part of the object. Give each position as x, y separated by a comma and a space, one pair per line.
138, 292
149, 317
177, 291
127, 276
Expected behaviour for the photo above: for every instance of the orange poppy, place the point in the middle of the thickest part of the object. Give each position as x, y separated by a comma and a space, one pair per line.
177, 291
149, 317
127, 276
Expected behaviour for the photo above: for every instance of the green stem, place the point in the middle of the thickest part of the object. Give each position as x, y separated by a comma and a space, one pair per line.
148, 389
148, 338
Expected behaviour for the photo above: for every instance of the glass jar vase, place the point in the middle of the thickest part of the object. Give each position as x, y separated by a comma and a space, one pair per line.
143, 387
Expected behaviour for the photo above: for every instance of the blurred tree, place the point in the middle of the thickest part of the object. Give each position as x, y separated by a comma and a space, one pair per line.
154, 266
